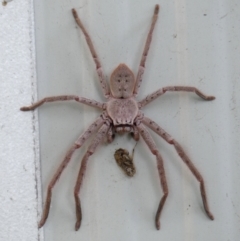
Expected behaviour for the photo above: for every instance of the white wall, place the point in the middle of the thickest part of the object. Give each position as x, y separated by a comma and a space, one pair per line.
19, 153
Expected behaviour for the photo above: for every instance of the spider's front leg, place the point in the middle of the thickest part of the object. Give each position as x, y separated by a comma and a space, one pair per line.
145, 51
91, 149
103, 83
152, 146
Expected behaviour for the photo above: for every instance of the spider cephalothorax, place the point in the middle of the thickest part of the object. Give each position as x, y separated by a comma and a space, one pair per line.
121, 113
122, 82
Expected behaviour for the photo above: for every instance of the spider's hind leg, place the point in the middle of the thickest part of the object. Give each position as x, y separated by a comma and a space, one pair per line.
161, 132
80, 141
152, 146
91, 149
53, 182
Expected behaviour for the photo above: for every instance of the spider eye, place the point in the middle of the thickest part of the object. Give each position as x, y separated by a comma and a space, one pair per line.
126, 80
118, 80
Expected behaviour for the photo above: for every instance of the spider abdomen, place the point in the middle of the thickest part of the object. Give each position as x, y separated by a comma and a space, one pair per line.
122, 111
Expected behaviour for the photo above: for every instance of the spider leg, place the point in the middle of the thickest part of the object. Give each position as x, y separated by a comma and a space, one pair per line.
82, 100
91, 149
145, 51
100, 73
135, 134
161, 132
110, 135
152, 146
162, 91
93, 127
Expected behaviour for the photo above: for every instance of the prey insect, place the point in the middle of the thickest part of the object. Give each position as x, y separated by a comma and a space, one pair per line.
125, 161
121, 113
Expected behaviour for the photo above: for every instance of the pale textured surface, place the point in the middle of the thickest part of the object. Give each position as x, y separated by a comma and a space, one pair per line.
18, 141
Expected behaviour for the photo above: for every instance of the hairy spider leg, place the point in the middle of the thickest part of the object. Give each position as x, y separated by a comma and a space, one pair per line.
161, 132
103, 83
80, 141
91, 149
145, 51
82, 100
163, 90
163, 181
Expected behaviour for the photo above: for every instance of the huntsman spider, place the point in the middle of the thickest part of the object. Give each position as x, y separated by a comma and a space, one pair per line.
122, 113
